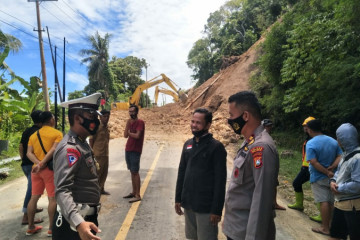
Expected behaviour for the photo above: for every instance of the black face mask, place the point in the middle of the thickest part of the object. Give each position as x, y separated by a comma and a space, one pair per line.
199, 133
133, 116
90, 125
237, 124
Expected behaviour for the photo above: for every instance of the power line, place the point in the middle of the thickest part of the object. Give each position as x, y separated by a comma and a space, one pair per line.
17, 19
38, 39
42, 5
75, 11
20, 29
66, 14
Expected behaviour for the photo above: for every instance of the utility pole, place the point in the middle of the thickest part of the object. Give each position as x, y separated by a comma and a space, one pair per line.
56, 89
43, 67
63, 109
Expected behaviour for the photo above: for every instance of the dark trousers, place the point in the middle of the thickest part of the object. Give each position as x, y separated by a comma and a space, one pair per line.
345, 223
302, 177
64, 232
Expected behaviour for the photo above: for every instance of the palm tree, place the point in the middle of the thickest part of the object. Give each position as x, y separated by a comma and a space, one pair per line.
97, 58
8, 40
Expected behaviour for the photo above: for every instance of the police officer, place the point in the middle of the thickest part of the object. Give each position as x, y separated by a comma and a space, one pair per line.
77, 190
249, 212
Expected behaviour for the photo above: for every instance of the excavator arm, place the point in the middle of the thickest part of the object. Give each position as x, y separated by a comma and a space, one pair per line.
135, 98
165, 91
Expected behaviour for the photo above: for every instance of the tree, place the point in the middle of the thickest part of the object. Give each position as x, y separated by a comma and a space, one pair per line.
76, 94
231, 31
310, 65
15, 107
97, 57
127, 71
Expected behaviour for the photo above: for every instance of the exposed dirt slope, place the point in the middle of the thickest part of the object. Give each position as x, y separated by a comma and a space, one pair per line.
172, 120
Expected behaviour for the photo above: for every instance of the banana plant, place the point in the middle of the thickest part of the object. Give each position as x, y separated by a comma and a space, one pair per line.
15, 106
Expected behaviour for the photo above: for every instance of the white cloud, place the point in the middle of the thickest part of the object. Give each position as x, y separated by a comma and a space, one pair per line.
77, 79
161, 31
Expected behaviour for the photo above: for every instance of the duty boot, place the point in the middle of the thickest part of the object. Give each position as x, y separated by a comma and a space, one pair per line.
317, 218
299, 202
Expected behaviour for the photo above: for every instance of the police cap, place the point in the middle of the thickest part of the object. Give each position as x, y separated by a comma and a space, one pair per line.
89, 103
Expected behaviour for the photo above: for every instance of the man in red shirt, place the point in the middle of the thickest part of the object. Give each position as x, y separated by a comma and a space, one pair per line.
134, 132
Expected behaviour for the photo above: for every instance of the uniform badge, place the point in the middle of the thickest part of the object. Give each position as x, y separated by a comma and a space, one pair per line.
189, 147
73, 156
257, 153
250, 141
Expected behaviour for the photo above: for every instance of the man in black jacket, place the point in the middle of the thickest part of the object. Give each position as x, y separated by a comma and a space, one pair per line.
200, 187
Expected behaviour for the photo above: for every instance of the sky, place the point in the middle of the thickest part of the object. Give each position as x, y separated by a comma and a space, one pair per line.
162, 32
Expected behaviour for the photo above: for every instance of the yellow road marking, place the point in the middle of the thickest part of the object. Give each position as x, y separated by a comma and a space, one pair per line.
134, 207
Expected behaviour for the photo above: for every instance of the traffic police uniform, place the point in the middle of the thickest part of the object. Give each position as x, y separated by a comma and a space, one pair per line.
77, 190
249, 212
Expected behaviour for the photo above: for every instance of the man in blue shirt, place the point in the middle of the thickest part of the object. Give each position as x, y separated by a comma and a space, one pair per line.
323, 154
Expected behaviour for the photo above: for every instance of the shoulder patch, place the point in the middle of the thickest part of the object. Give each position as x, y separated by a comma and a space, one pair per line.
73, 156
189, 146
257, 153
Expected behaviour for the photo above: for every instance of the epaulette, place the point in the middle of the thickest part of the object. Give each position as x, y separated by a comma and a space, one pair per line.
72, 140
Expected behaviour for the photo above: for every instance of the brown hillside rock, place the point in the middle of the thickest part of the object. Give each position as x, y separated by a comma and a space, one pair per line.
173, 120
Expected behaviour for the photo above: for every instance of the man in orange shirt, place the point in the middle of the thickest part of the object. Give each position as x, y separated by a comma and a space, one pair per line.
40, 151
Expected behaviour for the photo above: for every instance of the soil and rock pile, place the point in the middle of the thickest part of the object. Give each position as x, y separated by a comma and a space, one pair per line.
172, 120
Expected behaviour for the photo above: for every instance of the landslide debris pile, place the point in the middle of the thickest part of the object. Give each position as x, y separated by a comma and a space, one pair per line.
173, 120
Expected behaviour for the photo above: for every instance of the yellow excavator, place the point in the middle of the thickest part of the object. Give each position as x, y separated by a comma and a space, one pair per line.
165, 91
135, 98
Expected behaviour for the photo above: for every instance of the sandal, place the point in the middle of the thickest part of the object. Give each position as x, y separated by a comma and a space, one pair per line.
36, 221
130, 195
30, 232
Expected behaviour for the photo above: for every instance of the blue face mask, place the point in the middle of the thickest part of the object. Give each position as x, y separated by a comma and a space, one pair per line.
237, 124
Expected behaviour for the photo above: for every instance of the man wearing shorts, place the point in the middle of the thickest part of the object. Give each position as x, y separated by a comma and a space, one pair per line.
323, 153
42, 177
134, 132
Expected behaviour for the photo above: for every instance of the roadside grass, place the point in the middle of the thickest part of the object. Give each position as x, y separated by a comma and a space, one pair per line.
13, 147
14, 169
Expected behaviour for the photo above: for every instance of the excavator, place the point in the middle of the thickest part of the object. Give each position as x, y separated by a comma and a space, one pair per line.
135, 98
165, 91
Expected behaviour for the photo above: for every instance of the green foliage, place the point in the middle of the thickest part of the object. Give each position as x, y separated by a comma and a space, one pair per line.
310, 65
230, 31
127, 71
15, 107
76, 94
97, 56
114, 77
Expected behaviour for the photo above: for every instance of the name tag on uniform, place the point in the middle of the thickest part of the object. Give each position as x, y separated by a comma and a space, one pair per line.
189, 147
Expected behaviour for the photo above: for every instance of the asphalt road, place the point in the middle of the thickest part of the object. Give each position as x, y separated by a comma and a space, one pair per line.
153, 218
